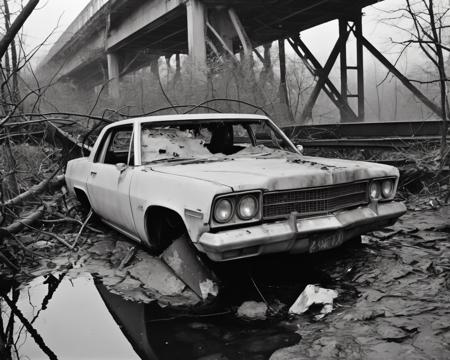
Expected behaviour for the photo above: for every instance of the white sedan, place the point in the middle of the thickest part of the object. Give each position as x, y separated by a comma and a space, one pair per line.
232, 184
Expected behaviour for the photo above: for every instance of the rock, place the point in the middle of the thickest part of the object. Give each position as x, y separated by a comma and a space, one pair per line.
252, 310
313, 295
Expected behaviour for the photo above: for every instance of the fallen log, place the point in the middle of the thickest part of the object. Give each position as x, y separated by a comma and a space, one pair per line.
28, 220
37, 189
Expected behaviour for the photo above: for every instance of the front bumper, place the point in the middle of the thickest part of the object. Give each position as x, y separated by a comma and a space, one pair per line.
298, 235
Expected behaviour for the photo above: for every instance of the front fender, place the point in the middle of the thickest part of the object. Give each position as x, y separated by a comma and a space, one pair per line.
190, 198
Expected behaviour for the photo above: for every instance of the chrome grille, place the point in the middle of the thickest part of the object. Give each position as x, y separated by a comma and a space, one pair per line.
314, 201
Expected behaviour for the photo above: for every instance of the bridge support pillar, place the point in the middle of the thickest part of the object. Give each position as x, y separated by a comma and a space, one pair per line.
196, 22
113, 75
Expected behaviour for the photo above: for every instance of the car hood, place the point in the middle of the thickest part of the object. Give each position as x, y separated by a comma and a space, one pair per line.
279, 174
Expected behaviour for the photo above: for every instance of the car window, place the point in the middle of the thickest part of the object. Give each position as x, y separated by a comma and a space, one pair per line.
117, 147
205, 139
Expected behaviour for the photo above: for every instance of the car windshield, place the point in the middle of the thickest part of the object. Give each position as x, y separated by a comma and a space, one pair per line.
217, 139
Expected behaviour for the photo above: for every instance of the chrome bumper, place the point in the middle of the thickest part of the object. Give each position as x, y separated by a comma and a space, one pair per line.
297, 235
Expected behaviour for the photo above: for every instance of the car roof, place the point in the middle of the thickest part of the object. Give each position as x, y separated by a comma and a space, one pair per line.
188, 117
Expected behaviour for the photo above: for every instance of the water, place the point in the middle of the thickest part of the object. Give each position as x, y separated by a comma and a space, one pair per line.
392, 303
83, 320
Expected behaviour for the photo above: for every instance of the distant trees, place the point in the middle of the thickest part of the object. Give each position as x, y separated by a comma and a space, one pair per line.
428, 29
10, 99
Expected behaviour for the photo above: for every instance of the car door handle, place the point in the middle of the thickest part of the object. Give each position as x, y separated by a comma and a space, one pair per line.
93, 173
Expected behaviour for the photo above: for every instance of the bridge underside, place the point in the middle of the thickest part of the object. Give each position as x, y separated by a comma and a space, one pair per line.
126, 35
263, 20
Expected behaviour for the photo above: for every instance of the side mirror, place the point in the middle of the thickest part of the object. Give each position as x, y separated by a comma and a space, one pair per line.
121, 167
299, 148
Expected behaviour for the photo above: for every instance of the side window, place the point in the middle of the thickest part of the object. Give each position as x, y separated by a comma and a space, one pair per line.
117, 147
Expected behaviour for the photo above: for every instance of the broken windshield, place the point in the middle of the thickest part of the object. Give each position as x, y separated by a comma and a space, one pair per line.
184, 140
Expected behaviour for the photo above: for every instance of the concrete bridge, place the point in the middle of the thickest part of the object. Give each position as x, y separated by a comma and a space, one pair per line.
112, 38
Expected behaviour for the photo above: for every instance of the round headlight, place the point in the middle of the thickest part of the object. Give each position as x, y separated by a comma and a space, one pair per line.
374, 190
248, 207
223, 211
387, 187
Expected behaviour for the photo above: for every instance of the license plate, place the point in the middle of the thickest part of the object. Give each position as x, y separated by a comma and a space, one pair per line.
326, 242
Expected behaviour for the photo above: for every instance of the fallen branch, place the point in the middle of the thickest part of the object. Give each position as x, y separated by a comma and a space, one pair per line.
6, 261
88, 217
28, 220
37, 189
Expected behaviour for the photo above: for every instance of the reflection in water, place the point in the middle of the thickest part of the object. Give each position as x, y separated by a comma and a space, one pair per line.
73, 323
10, 296
60, 318
161, 333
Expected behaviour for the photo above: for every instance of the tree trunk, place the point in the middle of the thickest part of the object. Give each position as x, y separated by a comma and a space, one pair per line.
266, 74
16, 26
154, 68
283, 93
442, 78
15, 95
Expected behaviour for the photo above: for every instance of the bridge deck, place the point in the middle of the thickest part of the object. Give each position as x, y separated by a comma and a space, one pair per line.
264, 21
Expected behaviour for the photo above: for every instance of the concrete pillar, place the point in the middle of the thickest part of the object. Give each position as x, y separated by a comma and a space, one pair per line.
196, 23
113, 75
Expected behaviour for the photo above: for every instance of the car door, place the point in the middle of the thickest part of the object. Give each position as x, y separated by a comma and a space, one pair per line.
110, 177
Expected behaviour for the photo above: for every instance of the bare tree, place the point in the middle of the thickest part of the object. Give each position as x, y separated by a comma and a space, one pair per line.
430, 23
16, 26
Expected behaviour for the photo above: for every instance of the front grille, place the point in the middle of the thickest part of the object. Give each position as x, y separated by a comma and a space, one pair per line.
314, 201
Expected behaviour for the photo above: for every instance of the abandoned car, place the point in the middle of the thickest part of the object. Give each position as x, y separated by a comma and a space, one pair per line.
234, 184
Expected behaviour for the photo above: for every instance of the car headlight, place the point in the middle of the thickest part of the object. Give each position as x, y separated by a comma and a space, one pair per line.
223, 211
387, 188
374, 190
247, 207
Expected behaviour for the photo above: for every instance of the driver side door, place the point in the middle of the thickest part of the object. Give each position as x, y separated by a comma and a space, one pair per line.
110, 177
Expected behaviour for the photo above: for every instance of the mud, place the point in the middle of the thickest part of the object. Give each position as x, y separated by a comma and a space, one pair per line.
393, 292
